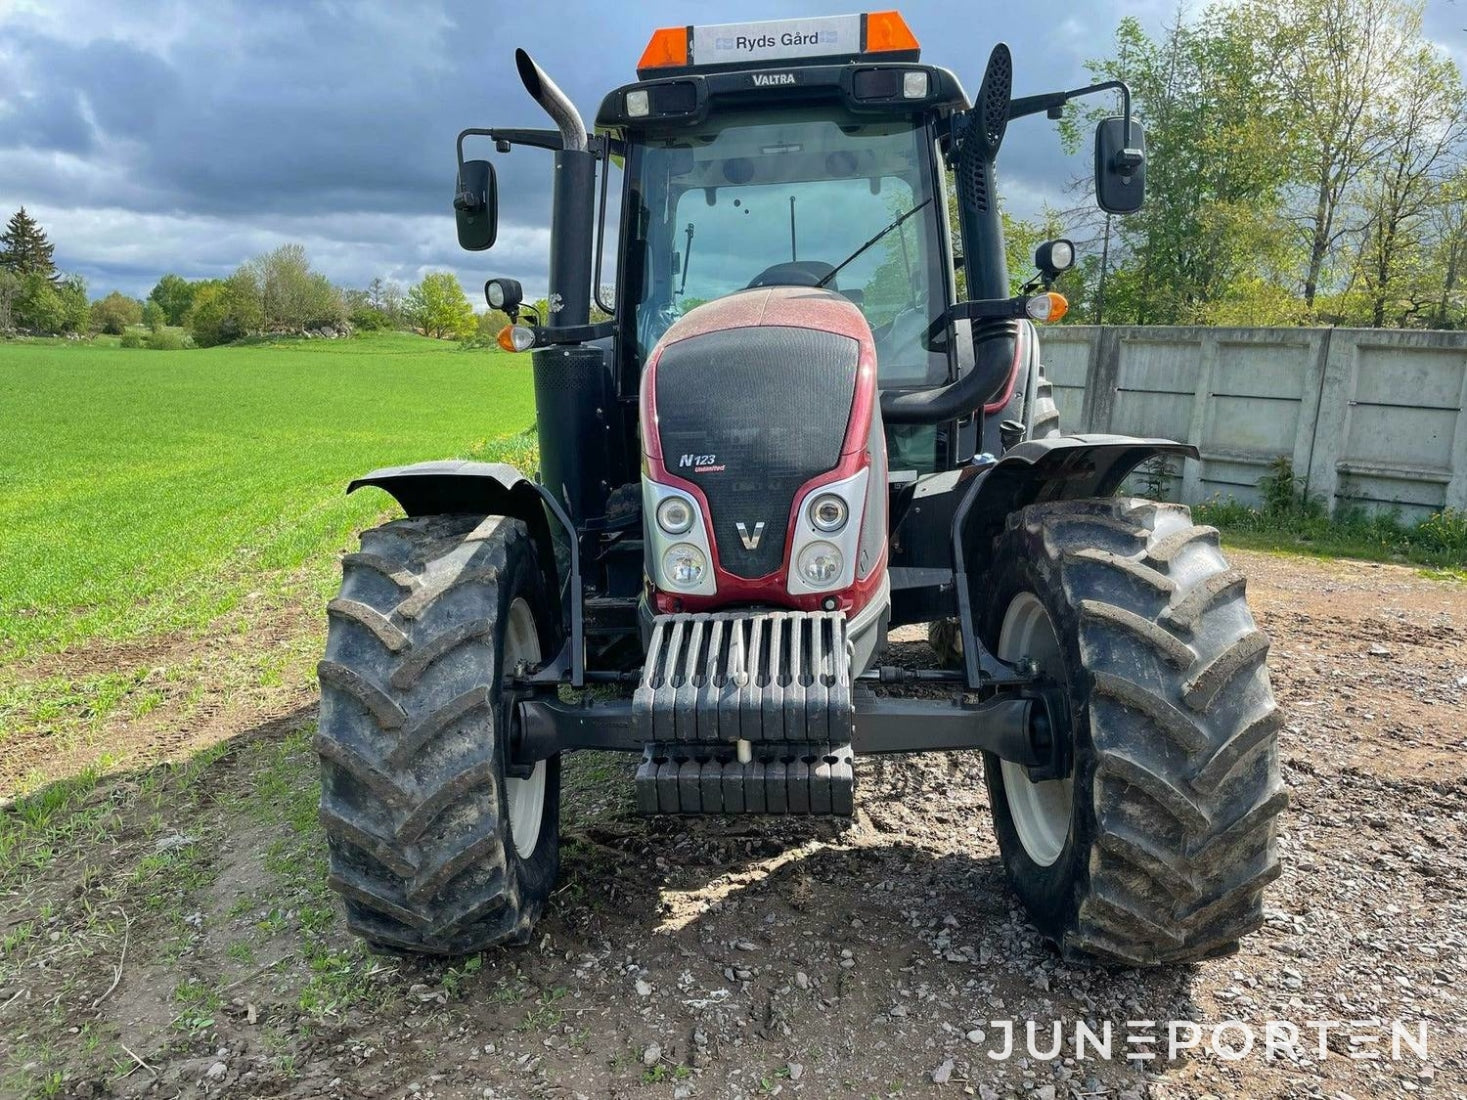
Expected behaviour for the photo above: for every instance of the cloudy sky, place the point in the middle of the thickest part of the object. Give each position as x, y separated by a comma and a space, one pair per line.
151, 137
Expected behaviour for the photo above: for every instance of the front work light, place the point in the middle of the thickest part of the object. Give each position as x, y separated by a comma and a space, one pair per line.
1053, 257
504, 294
914, 85
639, 103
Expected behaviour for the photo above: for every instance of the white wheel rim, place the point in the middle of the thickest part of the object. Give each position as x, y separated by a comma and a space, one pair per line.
1041, 811
525, 797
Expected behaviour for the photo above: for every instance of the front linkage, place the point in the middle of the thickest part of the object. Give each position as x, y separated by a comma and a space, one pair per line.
759, 713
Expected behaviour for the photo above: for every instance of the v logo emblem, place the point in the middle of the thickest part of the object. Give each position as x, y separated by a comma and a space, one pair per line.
751, 542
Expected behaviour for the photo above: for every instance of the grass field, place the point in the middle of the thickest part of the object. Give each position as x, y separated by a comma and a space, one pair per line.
143, 492
173, 521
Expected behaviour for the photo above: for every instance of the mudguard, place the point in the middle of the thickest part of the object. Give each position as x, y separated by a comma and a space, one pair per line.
496, 489
1036, 471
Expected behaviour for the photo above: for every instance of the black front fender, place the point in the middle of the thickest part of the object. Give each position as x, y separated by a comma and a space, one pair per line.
1035, 472
1064, 468
459, 486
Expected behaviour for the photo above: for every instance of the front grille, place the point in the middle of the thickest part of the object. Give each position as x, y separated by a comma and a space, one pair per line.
768, 407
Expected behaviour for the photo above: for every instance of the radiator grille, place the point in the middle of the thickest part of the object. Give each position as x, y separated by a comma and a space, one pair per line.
770, 405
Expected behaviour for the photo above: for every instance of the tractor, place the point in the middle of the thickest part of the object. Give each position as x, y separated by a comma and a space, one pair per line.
804, 412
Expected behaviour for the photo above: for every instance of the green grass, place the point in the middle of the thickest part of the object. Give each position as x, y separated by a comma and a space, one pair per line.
1439, 542
142, 493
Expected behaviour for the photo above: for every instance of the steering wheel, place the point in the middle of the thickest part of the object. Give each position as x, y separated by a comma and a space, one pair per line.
795, 273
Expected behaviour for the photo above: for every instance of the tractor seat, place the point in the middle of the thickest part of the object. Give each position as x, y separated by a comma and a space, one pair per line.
794, 273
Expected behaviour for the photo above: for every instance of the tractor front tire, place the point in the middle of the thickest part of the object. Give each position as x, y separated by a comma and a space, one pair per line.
1158, 846
433, 848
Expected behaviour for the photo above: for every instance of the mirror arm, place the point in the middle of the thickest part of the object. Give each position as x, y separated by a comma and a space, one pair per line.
1052, 102
602, 144
545, 336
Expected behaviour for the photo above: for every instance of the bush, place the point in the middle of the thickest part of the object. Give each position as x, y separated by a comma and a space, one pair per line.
1291, 518
223, 312
1445, 533
370, 319
167, 339
132, 338
1284, 494
114, 313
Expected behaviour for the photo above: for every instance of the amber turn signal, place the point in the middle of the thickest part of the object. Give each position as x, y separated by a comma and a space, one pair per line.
516, 338
1049, 306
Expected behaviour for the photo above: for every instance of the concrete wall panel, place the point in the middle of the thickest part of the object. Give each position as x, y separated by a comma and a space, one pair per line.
1372, 417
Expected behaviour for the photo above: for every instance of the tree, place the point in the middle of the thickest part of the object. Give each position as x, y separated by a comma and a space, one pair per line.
225, 311
116, 312
175, 296
1426, 121
24, 248
388, 298
292, 297
1336, 61
76, 315
9, 292
438, 307
153, 316
1217, 134
39, 305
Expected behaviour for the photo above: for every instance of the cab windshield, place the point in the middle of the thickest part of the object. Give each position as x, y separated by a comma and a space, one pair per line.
722, 206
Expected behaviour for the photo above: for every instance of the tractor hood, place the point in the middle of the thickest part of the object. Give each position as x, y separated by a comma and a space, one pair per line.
755, 408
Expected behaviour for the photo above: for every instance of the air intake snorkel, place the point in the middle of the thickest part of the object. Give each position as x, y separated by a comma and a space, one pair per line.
985, 264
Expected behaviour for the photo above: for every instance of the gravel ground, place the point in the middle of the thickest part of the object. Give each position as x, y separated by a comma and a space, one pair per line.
745, 959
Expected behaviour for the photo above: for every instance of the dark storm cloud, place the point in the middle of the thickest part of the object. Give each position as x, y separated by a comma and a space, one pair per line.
187, 137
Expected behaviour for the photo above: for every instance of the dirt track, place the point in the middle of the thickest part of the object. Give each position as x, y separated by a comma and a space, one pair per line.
720, 959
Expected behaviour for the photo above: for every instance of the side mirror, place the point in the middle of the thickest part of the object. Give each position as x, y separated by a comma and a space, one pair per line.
1120, 166
476, 205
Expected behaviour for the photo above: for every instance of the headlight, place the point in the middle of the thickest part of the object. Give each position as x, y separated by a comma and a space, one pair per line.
675, 515
828, 513
820, 564
684, 565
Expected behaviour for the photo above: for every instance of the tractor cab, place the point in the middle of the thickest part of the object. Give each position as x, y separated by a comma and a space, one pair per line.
800, 153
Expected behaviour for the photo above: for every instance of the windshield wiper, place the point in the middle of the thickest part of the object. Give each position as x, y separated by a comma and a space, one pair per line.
873, 240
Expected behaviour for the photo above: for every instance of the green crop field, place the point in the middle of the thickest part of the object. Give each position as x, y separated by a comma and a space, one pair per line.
143, 492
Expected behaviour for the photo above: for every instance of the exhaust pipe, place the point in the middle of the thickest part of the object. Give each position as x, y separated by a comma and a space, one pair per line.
557, 104
572, 203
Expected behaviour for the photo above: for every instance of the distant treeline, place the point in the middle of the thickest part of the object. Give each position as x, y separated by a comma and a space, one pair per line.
277, 293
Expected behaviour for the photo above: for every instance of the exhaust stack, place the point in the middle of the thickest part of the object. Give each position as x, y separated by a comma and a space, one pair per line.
557, 104
572, 214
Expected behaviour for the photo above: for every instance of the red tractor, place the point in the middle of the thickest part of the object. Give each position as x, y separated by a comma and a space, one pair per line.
794, 433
